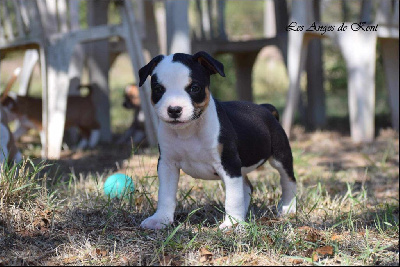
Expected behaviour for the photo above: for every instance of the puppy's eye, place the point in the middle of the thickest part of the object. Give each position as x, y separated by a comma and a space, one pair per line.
194, 88
158, 89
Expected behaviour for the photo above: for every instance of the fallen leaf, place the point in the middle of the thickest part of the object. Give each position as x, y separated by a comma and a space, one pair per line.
101, 252
325, 251
70, 259
310, 234
337, 238
205, 255
314, 257
296, 261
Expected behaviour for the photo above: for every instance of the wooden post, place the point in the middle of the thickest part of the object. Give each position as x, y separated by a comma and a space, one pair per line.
31, 57
390, 53
297, 53
98, 64
361, 80
243, 68
281, 21
269, 19
315, 115
178, 40
150, 43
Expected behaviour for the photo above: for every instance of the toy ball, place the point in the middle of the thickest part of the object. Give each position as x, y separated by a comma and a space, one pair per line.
118, 185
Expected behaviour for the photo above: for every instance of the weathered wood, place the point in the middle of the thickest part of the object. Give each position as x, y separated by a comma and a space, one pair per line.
221, 19
7, 21
390, 53
297, 44
134, 48
221, 46
31, 57
24, 15
269, 19
74, 15
150, 42
98, 66
56, 46
78, 57
62, 15
316, 114
58, 56
178, 39
48, 16
161, 20
205, 19
18, 19
2, 35
366, 11
243, 69
361, 80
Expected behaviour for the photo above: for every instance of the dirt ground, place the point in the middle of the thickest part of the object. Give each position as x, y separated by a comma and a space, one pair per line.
348, 197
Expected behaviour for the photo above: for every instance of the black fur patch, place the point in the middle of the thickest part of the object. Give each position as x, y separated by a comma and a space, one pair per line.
252, 133
147, 70
155, 95
198, 74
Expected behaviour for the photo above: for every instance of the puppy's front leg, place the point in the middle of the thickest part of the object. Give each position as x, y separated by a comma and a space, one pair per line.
168, 176
235, 204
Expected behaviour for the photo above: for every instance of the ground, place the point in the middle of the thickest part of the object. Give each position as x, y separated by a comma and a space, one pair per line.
348, 210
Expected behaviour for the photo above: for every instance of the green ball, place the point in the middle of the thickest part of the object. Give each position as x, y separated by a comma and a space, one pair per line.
118, 185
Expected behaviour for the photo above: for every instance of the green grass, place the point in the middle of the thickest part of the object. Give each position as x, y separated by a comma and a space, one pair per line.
352, 207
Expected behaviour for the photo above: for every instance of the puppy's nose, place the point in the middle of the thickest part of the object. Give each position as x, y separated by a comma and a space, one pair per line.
174, 112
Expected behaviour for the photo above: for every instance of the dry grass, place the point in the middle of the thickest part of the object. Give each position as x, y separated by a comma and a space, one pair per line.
348, 212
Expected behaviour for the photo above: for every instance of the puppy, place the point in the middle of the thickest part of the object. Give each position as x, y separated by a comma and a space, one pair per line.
8, 150
136, 130
211, 140
80, 112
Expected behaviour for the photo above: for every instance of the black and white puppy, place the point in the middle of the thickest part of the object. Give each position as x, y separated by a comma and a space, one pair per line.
211, 140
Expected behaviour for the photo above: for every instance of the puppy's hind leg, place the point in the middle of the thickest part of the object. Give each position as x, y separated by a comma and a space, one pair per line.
287, 204
248, 190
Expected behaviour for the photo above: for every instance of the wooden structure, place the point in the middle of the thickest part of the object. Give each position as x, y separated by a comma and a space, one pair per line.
215, 40
294, 46
47, 26
359, 50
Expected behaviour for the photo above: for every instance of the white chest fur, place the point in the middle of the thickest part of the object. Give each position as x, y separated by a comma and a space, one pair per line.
193, 149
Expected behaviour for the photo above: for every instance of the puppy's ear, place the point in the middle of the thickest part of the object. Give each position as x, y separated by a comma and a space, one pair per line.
213, 65
148, 69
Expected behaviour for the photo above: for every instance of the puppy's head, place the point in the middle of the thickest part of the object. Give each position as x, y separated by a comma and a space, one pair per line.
180, 85
132, 97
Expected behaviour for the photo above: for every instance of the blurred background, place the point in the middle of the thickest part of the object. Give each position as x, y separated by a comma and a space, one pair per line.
248, 37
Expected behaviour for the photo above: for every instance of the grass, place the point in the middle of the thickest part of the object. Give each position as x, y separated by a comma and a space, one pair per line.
347, 208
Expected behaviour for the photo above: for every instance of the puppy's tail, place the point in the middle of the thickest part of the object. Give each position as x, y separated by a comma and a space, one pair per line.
272, 109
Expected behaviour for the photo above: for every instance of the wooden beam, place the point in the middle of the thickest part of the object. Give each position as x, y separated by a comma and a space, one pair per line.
178, 39
98, 64
244, 68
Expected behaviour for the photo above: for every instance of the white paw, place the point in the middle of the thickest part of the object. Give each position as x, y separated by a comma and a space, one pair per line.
228, 223
287, 208
156, 222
